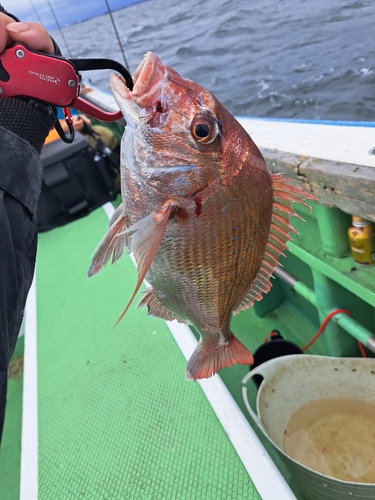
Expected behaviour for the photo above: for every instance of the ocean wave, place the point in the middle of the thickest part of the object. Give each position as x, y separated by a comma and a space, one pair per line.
264, 58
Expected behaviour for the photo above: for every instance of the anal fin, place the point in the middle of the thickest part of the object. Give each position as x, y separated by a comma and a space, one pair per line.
156, 308
207, 359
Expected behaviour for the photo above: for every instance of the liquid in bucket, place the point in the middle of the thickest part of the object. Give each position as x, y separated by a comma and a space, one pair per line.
334, 436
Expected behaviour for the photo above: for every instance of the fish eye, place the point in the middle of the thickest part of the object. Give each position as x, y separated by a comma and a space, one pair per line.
204, 129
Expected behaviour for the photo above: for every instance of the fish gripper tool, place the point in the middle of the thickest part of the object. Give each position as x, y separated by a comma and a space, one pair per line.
55, 80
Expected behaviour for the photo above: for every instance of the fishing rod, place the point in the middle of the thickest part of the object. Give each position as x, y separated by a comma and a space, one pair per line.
117, 35
36, 12
60, 29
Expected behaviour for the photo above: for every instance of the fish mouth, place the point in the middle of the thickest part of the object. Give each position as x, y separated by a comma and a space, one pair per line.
148, 81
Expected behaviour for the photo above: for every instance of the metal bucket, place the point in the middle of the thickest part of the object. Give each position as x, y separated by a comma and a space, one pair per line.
295, 380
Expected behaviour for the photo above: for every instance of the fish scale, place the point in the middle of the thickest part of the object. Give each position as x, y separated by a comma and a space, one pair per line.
205, 219
217, 256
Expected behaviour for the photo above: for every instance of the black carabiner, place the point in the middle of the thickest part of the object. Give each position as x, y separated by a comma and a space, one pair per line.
68, 120
94, 64
86, 65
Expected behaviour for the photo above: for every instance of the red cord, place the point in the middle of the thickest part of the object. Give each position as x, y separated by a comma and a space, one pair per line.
320, 331
269, 336
324, 324
362, 349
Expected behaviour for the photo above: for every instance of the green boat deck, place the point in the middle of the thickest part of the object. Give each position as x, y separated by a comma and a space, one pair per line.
116, 417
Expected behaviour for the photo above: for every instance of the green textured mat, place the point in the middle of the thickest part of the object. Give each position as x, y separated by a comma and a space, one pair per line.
117, 418
10, 456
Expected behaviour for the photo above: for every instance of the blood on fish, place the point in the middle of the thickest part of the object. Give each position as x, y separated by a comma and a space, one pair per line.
198, 206
186, 159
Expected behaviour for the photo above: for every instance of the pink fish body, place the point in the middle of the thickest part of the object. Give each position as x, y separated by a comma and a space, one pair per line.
204, 217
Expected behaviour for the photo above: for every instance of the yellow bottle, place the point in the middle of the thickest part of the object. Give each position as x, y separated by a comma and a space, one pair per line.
362, 241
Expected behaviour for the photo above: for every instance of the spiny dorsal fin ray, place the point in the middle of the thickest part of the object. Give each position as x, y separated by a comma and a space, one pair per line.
146, 235
279, 221
284, 196
113, 243
280, 240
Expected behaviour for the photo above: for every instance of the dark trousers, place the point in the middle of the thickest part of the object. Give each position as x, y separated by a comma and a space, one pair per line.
18, 240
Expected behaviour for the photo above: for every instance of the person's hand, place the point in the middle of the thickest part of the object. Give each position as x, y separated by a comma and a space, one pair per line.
79, 122
31, 34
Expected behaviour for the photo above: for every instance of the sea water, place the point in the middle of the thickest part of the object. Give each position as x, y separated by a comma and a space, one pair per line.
267, 58
334, 436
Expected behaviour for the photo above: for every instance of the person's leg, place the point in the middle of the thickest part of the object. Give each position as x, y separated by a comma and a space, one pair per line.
18, 240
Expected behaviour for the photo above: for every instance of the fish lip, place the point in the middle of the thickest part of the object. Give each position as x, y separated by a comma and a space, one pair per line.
147, 79
146, 97
119, 87
146, 74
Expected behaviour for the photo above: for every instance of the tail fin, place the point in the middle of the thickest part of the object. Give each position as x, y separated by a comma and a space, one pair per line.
208, 360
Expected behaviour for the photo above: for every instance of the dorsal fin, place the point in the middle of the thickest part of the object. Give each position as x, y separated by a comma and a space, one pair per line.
284, 195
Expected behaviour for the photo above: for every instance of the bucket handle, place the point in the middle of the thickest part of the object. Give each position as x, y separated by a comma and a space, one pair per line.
253, 415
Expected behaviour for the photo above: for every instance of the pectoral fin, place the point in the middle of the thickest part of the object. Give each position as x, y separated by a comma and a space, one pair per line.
145, 237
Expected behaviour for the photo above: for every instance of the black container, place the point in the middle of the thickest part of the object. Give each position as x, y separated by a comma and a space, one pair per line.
275, 347
76, 180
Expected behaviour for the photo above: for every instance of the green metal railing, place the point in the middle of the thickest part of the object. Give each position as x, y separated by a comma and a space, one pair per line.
324, 302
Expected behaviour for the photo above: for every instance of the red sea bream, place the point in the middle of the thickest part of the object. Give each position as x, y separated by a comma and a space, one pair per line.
201, 212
